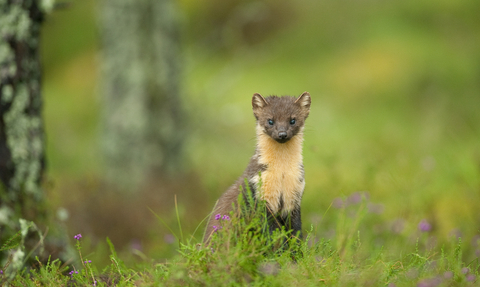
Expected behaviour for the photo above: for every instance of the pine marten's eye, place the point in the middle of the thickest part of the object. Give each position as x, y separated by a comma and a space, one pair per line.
292, 122
270, 122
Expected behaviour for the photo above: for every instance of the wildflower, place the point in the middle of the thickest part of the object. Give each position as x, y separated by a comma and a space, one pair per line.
465, 270
471, 277
136, 244
226, 217
455, 233
78, 236
88, 261
354, 198
95, 283
338, 203
430, 282
424, 226
169, 238
218, 216
448, 275
1, 272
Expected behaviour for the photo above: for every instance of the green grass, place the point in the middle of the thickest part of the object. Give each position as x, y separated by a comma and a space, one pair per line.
241, 254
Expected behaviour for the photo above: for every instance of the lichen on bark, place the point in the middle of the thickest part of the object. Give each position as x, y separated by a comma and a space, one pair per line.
21, 126
21, 123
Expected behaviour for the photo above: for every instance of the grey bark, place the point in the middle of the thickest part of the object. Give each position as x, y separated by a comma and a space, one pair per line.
22, 157
142, 112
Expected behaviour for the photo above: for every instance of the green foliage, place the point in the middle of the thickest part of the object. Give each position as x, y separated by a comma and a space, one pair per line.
49, 274
12, 242
241, 253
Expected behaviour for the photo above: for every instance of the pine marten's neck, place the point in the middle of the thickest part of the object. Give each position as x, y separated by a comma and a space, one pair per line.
273, 152
282, 181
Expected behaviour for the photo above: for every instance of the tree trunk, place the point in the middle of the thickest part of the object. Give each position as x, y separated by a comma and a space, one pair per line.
142, 113
22, 157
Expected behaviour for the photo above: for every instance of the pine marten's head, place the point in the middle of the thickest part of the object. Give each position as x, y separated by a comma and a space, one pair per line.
281, 117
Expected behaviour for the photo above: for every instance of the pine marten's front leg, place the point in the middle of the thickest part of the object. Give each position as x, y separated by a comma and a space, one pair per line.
292, 221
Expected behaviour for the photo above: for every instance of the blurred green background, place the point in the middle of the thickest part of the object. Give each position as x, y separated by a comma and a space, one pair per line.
395, 113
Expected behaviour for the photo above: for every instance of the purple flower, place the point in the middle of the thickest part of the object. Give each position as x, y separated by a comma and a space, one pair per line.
88, 261
338, 203
169, 238
432, 282
135, 244
470, 277
424, 226
465, 270
78, 236
226, 217
423, 284
456, 233
448, 275
354, 198
218, 216
1, 272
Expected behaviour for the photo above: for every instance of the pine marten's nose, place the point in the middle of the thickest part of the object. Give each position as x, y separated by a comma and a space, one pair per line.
282, 135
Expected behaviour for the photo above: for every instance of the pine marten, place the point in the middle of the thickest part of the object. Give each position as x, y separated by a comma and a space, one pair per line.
275, 172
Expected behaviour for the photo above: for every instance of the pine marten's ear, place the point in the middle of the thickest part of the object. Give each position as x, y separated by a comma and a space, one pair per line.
304, 100
258, 101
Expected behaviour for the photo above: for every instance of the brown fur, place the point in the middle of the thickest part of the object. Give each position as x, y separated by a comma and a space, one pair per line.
278, 160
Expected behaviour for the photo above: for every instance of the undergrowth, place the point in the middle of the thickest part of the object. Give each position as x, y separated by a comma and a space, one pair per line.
242, 253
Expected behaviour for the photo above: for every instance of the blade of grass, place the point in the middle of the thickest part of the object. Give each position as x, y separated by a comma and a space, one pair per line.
163, 222
178, 219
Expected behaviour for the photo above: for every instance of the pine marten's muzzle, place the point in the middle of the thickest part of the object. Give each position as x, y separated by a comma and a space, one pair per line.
282, 135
